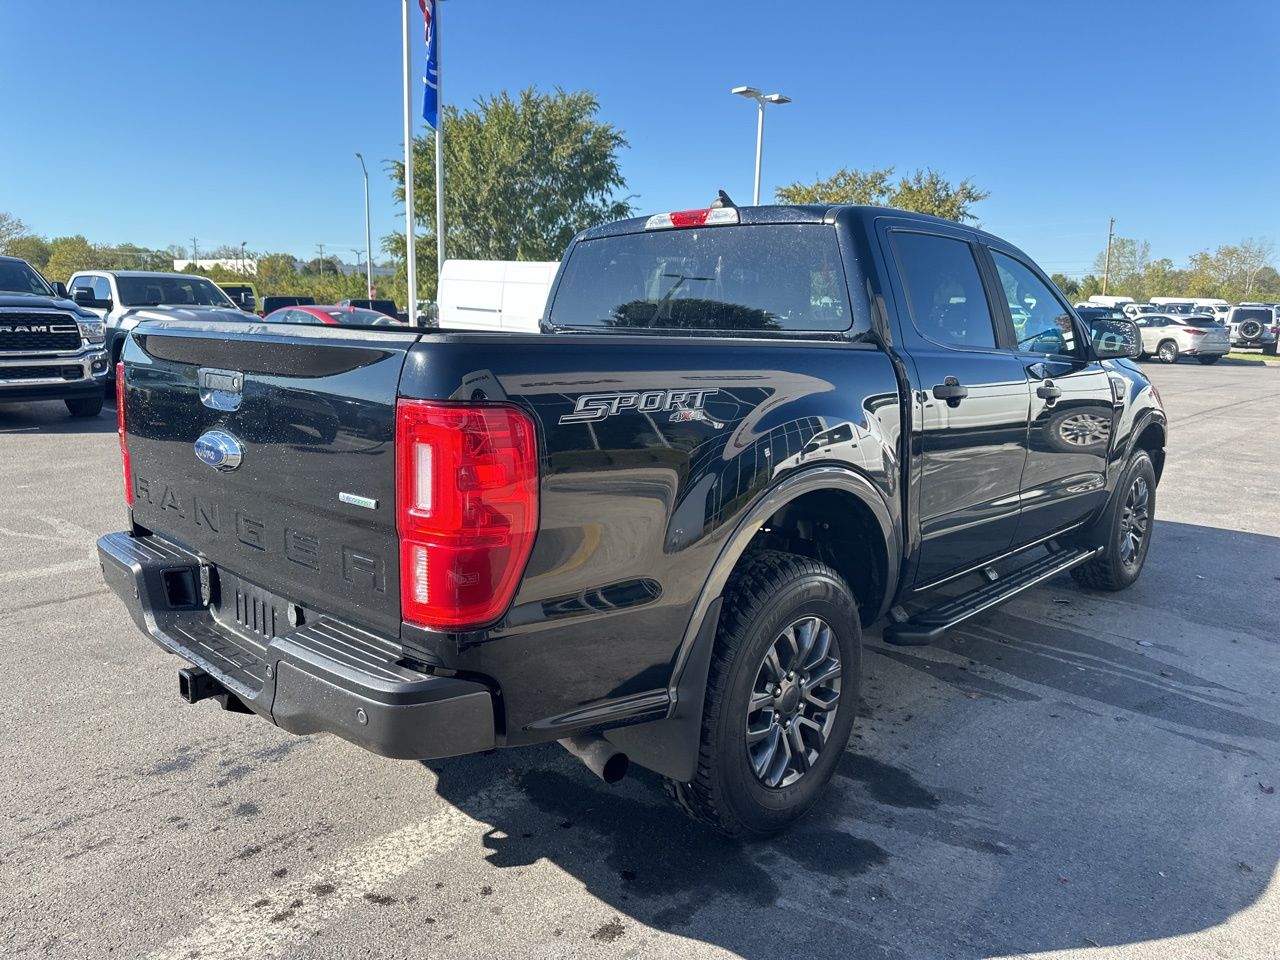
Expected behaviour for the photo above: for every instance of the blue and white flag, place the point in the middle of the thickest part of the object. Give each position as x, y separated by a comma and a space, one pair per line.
431, 75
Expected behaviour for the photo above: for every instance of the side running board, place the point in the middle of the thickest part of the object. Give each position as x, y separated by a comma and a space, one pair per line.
929, 625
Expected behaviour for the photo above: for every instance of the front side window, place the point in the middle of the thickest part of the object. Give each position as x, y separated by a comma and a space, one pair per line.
944, 290
756, 277
1041, 322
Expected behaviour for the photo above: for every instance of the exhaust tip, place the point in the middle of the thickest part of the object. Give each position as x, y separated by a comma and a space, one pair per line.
615, 768
599, 756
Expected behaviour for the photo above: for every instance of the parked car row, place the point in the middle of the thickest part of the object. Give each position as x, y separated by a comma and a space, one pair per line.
1174, 327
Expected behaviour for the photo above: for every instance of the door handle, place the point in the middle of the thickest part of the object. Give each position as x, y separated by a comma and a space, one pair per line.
950, 391
1047, 391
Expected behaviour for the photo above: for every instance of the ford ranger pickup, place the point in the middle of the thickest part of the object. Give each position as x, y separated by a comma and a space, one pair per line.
654, 532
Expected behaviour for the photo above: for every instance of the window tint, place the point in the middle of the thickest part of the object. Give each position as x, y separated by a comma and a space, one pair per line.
17, 277
1241, 314
944, 289
760, 277
150, 290
1041, 322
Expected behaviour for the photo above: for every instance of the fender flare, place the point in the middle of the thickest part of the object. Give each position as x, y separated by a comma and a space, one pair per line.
1143, 420
670, 746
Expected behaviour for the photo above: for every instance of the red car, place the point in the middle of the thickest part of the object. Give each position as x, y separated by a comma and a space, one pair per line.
337, 315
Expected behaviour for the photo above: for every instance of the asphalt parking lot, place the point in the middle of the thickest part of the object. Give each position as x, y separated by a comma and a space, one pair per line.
1085, 774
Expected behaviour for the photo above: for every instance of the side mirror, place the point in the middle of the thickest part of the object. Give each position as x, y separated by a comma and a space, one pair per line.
1115, 339
59, 288
84, 297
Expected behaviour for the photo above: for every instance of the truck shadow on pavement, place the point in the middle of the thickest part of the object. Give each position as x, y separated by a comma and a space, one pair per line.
50, 417
1058, 774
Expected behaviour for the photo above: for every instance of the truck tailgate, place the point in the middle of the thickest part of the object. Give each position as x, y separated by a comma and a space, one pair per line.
309, 508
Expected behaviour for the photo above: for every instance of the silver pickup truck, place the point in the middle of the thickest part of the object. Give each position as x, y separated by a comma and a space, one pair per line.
50, 347
124, 298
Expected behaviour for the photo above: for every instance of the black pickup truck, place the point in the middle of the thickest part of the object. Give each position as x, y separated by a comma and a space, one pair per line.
656, 530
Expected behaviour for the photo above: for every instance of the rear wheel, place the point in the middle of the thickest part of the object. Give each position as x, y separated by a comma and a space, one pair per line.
84, 406
781, 698
1127, 528
1208, 360
1167, 352
1269, 349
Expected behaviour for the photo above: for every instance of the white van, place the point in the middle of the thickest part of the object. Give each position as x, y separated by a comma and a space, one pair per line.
508, 295
1097, 300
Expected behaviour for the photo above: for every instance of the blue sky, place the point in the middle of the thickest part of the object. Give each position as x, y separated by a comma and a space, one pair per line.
153, 121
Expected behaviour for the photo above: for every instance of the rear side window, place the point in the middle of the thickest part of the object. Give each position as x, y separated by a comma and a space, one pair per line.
944, 289
759, 277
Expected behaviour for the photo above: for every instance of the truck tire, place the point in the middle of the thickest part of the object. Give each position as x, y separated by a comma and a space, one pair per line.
1269, 349
1208, 360
788, 650
1167, 352
1127, 528
84, 406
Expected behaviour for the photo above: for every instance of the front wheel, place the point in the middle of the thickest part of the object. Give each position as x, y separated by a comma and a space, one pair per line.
1167, 352
1208, 360
1127, 529
782, 694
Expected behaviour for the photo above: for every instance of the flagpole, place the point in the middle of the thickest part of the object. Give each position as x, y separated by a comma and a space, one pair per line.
439, 155
411, 263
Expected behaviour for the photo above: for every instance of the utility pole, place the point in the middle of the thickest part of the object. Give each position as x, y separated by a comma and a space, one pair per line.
1106, 273
320, 247
195, 253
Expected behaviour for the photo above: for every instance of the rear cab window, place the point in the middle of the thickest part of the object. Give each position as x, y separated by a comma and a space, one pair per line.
945, 295
750, 278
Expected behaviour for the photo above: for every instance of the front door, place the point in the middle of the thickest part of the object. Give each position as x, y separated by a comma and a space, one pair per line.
1072, 410
971, 406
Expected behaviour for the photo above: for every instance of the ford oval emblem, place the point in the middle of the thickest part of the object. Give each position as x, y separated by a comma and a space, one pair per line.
219, 450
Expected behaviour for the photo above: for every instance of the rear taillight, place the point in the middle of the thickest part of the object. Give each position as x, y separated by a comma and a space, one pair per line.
124, 441
1275, 331
1196, 331
466, 510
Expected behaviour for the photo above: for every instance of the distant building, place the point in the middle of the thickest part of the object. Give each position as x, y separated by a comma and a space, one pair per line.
248, 267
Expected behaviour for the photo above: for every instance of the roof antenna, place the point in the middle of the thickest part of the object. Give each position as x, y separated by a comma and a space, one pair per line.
722, 201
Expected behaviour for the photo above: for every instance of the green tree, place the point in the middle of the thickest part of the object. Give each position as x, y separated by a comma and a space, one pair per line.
11, 228
523, 174
924, 191
1129, 260
31, 248
1070, 288
69, 254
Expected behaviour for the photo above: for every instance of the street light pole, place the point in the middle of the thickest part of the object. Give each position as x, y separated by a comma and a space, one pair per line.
368, 246
751, 93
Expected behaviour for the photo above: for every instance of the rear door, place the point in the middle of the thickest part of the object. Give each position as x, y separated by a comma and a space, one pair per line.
308, 510
971, 406
1070, 396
